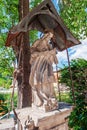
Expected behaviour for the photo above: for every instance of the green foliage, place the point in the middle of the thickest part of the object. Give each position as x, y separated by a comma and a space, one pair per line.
5, 103
78, 117
3, 109
74, 15
79, 73
7, 98
8, 18
65, 97
33, 36
8, 14
6, 66
34, 3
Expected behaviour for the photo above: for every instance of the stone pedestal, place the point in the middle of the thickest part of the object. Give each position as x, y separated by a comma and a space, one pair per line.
7, 124
36, 119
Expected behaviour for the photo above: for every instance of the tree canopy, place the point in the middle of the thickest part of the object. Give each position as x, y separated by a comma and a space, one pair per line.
74, 15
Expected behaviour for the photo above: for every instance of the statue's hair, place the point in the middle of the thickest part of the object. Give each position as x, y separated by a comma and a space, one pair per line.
48, 30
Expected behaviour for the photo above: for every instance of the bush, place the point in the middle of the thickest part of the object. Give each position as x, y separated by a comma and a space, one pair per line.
78, 117
5, 103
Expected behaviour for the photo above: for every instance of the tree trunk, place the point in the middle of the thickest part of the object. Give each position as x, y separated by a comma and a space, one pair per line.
19, 77
27, 93
24, 88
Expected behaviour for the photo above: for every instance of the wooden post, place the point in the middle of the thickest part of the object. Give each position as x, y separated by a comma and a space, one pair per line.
58, 84
72, 85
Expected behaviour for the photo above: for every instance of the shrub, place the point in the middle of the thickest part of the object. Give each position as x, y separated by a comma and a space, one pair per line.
78, 117
5, 103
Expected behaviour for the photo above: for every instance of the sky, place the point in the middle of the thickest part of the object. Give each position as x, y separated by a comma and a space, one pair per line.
78, 51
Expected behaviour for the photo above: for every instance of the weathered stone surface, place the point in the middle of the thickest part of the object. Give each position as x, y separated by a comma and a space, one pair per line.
54, 120
7, 124
63, 126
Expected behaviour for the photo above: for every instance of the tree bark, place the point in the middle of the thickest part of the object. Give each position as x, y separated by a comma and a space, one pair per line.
19, 77
27, 92
24, 88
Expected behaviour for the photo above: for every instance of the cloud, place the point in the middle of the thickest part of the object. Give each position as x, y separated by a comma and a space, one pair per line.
78, 51
62, 59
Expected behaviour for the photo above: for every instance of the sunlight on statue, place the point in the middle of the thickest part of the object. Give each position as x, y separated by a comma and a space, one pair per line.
43, 55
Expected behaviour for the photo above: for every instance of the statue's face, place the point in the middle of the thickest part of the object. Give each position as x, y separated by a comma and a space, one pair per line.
50, 34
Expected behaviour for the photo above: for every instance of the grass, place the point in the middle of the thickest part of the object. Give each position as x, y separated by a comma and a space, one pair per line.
64, 97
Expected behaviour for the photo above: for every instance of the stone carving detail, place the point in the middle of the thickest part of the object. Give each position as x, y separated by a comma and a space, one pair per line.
29, 124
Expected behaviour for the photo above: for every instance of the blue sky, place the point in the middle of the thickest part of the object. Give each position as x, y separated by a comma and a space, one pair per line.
55, 2
78, 51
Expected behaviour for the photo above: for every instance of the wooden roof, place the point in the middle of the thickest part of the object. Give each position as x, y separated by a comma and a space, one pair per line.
43, 17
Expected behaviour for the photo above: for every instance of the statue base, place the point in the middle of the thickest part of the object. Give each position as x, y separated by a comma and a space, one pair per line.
35, 118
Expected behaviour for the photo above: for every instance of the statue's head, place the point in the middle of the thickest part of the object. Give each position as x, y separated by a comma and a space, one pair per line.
49, 33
